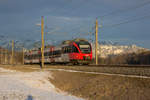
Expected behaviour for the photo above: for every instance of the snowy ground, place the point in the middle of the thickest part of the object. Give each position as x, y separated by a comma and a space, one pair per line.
28, 86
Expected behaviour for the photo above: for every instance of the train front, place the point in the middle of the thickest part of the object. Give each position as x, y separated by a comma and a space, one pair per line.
84, 55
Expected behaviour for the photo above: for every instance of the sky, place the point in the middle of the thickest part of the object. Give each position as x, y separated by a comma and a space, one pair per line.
122, 21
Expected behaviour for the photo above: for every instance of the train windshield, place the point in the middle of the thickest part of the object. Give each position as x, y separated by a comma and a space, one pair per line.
84, 47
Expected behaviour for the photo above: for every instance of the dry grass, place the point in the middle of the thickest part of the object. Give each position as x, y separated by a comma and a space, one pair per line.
102, 87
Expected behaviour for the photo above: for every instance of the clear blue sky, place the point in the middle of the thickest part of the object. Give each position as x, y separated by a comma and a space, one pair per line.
64, 19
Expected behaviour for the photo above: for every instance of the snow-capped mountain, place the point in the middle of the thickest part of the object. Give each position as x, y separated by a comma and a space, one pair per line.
106, 50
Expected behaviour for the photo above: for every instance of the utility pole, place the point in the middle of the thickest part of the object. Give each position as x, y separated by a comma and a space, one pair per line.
42, 40
5, 53
12, 53
23, 56
0, 55
4, 56
96, 42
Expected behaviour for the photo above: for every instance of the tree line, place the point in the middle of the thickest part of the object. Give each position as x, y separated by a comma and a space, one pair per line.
128, 58
6, 56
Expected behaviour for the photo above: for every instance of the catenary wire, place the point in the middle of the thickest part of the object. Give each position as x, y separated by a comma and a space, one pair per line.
125, 10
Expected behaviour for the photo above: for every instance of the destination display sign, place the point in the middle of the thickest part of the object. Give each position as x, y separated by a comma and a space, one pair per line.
84, 46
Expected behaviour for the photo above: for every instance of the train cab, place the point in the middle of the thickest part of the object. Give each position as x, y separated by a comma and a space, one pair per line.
80, 51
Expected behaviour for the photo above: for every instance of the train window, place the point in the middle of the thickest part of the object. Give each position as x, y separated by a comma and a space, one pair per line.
53, 52
84, 46
30, 57
50, 53
75, 50
46, 54
27, 57
64, 49
33, 56
56, 53
67, 49
37, 56
40, 55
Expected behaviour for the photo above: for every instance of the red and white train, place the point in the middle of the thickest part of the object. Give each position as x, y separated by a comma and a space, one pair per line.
77, 51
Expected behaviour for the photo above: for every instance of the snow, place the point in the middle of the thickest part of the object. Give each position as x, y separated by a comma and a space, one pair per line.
29, 86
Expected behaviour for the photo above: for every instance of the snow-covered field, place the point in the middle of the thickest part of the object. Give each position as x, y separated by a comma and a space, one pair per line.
29, 86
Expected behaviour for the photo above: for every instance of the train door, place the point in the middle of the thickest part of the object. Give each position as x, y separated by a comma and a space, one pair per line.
65, 54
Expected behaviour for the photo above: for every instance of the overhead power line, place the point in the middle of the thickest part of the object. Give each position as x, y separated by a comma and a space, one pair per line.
127, 21
125, 10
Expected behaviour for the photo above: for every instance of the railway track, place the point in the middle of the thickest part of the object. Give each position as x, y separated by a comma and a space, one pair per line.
130, 66
92, 65
142, 70
99, 73
109, 66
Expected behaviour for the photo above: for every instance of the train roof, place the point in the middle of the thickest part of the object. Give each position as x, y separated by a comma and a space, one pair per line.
74, 40
80, 39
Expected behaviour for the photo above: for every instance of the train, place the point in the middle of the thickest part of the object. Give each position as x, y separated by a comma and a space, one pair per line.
76, 51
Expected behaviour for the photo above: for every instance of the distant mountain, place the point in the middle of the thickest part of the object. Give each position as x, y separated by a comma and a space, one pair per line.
106, 49
108, 43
